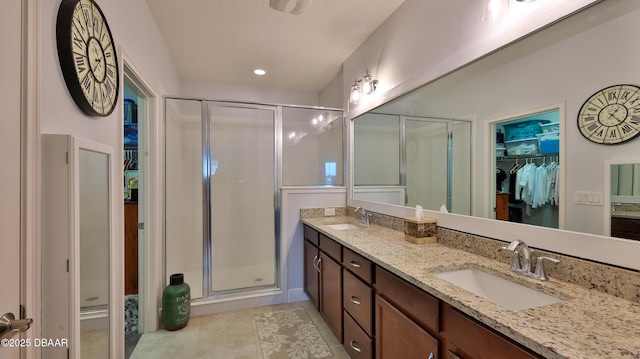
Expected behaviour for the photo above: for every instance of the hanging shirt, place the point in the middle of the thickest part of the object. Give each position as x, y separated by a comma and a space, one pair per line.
541, 187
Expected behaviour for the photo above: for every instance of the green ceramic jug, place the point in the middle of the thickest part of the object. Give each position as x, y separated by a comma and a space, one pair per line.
176, 303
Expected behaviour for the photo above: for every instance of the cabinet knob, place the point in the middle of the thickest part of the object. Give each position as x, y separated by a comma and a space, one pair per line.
354, 264
355, 348
318, 266
355, 300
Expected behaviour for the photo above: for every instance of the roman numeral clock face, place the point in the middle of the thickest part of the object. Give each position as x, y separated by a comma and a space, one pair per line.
612, 115
87, 56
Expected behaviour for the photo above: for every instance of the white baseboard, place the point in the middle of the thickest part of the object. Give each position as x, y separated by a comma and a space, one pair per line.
296, 295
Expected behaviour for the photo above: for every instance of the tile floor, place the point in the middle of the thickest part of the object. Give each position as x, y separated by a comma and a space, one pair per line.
229, 335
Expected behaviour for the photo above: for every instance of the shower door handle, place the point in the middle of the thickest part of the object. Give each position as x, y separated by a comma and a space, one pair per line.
10, 326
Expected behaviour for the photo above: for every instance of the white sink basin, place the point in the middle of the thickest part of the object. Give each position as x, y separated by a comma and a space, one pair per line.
503, 292
342, 226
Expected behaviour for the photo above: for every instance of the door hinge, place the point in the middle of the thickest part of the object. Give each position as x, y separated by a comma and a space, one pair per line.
66, 157
23, 312
67, 265
141, 225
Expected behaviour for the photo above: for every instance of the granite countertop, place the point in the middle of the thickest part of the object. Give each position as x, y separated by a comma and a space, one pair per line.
587, 324
626, 214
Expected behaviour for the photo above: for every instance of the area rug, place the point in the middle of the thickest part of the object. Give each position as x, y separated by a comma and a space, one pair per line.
290, 333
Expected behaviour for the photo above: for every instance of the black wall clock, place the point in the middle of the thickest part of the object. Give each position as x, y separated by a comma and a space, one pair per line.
87, 56
611, 115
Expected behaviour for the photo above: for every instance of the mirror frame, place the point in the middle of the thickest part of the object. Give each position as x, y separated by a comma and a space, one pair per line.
599, 248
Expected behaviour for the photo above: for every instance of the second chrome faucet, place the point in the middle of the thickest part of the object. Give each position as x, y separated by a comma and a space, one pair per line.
365, 217
525, 267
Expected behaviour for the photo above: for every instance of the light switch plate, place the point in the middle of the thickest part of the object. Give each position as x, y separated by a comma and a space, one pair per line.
589, 198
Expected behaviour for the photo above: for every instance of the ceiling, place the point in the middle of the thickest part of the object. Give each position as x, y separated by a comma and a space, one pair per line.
223, 41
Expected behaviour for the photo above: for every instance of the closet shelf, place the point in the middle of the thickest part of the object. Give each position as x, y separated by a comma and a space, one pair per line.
522, 157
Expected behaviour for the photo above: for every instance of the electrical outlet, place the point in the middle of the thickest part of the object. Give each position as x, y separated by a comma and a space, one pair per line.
329, 211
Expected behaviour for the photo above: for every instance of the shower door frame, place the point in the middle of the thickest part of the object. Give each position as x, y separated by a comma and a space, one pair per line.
206, 195
449, 153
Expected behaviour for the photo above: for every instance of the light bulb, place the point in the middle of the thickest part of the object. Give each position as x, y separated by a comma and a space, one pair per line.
355, 94
492, 10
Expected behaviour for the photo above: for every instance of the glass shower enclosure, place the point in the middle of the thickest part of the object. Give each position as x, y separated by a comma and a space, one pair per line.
221, 203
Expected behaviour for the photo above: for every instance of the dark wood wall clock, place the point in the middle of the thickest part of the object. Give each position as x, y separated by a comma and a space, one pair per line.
87, 56
612, 115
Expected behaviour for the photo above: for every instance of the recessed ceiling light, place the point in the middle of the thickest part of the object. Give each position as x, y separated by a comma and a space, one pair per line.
259, 72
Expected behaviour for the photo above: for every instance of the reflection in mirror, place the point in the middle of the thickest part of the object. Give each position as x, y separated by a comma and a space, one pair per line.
556, 65
527, 152
94, 253
625, 200
376, 154
409, 161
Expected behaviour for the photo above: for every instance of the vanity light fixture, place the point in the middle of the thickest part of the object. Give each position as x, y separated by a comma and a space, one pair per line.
366, 85
298, 7
492, 10
355, 93
369, 85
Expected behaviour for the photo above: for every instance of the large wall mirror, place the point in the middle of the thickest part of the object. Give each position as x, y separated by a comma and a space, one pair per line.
559, 66
622, 200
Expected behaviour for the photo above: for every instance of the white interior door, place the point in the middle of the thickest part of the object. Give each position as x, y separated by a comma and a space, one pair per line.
10, 183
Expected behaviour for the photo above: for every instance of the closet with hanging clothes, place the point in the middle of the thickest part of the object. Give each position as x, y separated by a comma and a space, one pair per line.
531, 185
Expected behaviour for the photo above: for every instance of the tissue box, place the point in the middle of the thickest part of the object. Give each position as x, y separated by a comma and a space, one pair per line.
420, 231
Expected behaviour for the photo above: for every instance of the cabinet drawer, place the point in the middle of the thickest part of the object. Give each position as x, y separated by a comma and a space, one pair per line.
471, 339
357, 301
412, 301
358, 265
356, 342
331, 247
311, 235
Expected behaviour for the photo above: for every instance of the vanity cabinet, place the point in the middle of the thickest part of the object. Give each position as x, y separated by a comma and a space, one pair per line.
376, 314
311, 274
406, 319
398, 336
358, 305
466, 338
323, 277
625, 228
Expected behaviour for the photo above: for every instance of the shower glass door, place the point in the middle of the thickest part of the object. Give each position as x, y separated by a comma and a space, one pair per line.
242, 192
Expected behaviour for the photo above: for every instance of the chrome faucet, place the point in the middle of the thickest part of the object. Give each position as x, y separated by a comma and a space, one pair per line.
525, 268
526, 254
365, 217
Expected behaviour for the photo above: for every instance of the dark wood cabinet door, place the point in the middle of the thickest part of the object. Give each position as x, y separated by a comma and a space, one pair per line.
331, 293
397, 336
470, 339
311, 274
625, 228
130, 248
